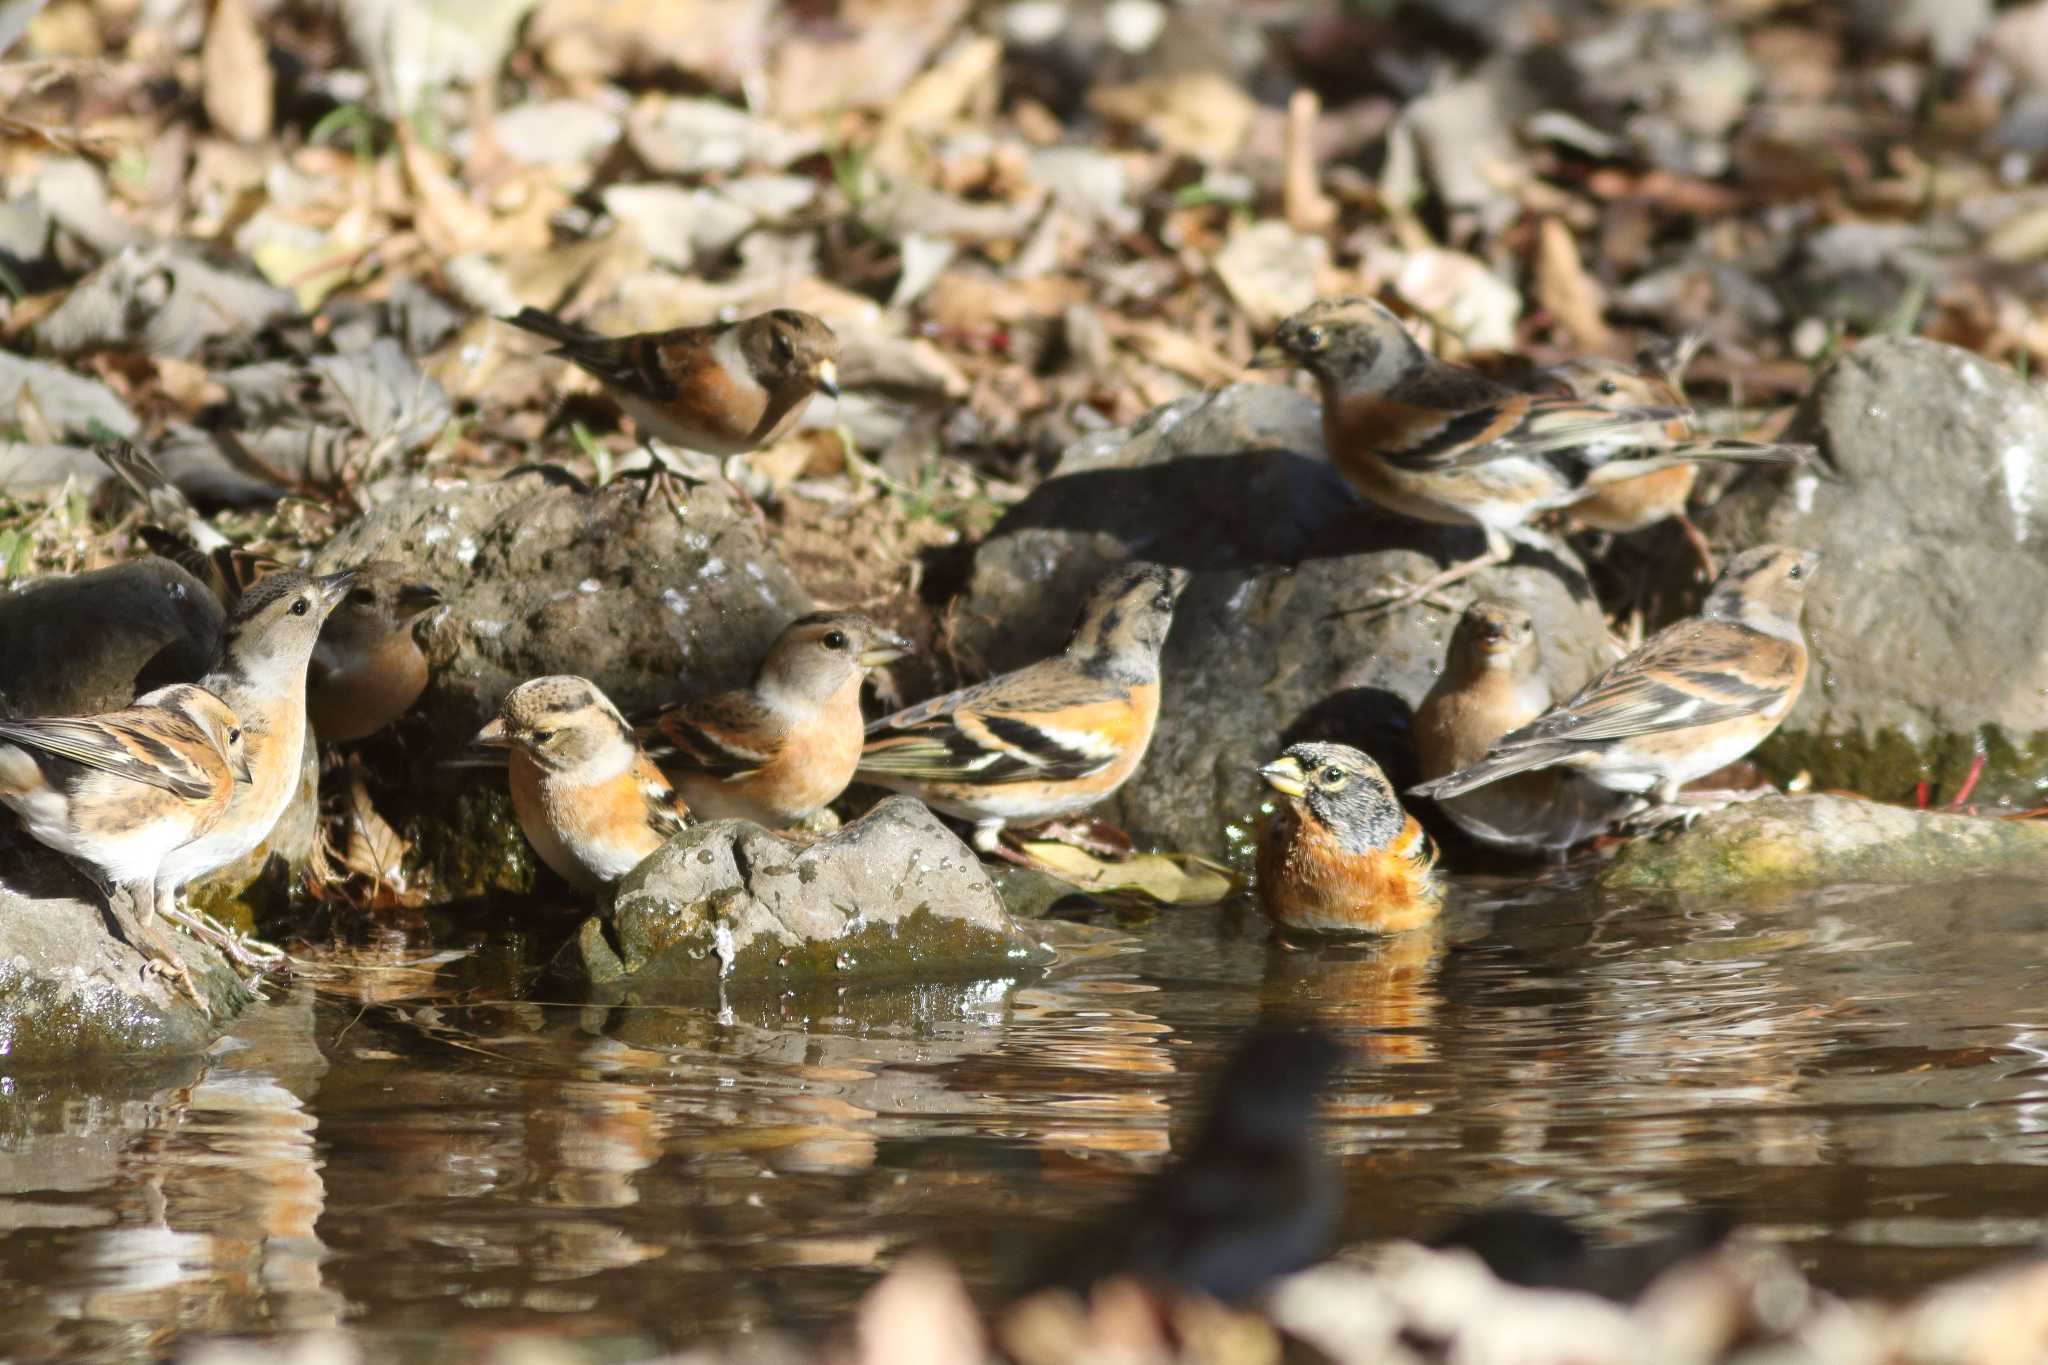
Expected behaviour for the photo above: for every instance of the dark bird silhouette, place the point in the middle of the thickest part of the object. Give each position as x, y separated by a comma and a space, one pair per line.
1254, 1198
1542, 1251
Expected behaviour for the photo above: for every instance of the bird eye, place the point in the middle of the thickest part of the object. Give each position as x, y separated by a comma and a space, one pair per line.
1796, 572
300, 606
1314, 337
779, 347
1608, 388
833, 639
1163, 602
235, 736
1333, 777
362, 597
543, 736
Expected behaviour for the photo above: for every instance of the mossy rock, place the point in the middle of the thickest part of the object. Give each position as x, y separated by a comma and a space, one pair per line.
1825, 840
730, 906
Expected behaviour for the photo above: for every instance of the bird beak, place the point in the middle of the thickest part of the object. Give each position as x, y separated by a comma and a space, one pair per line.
1271, 356
827, 376
1284, 775
885, 649
494, 735
242, 773
333, 587
1495, 642
417, 599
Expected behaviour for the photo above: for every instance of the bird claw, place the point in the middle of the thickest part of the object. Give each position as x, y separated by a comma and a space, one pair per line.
175, 973
240, 949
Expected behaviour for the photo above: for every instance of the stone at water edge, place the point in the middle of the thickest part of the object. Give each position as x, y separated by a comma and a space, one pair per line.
1824, 840
71, 991
895, 895
1931, 509
1265, 650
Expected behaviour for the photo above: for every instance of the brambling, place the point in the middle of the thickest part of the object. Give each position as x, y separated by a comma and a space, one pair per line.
779, 750
1443, 443
1692, 698
1256, 1197
1621, 505
121, 791
368, 668
1539, 1250
1340, 856
592, 804
261, 675
722, 389
1492, 683
1049, 739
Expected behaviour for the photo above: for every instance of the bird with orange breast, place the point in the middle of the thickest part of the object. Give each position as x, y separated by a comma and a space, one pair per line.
780, 749
1340, 855
1050, 739
589, 800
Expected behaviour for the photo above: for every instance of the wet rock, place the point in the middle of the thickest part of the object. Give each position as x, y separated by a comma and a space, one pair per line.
545, 576
1266, 649
70, 990
1932, 512
75, 644
894, 894
1826, 840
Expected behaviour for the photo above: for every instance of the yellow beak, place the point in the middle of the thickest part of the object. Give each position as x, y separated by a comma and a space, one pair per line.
1271, 357
885, 649
242, 773
1284, 775
828, 377
494, 735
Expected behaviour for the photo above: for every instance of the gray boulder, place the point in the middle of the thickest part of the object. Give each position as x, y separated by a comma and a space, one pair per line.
1932, 512
71, 990
543, 576
893, 895
1826, 841
1266, 648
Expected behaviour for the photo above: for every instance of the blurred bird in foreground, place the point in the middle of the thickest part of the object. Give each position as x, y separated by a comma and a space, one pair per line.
592, 804
1493, 682
782, 748
121, 791
1254, 1198
1542, 1251
1693, 698
1340, 856
1443, 443
1050, 739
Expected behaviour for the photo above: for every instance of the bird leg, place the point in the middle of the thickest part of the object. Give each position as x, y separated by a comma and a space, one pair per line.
130, 906
1408, 594
1698, 540
244, 951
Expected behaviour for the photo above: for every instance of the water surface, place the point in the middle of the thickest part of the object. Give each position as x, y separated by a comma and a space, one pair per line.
436, 1160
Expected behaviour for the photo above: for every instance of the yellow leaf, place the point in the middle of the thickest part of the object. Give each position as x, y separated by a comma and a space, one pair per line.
1161, 877
234, 74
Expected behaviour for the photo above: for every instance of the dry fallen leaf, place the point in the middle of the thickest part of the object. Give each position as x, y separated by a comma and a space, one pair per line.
1167, 878
236, 83
1564, 288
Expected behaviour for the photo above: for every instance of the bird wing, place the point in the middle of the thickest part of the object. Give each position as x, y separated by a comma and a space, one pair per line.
728, 736
155, 750
1697, 672
666, 813
1028, 726
1450, 422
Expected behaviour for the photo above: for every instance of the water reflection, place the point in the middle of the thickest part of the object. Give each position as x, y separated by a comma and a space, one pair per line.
426, 1160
